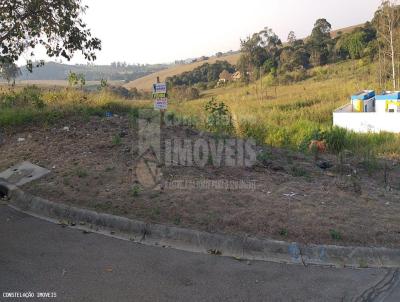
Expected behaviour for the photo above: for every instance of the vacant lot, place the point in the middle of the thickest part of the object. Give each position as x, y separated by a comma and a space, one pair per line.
93, 166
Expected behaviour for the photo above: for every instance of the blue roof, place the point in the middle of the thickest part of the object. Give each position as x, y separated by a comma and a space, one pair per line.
363, 95
389, 95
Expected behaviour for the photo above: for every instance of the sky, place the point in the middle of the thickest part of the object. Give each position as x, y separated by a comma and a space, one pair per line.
161, 31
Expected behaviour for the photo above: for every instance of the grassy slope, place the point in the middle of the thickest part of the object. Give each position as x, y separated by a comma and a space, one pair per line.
146, 82
292, 116
345, 30
17, 108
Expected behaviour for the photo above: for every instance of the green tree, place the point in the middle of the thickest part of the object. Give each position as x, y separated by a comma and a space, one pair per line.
253, 52
272, 44
103, 83
205, 73
292, 38
9, 72
72, 79
357, 44
55, 24
76, 79
259, 53
294, 55
320, 42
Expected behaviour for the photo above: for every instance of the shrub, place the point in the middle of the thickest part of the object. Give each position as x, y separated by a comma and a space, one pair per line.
120, 91
335, 235
28, 96
184, 93
254, 130
8, 100
32, 95
264, 157
219, 118
336, 139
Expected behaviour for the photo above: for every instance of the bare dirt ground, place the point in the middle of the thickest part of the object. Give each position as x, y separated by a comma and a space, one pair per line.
93, 166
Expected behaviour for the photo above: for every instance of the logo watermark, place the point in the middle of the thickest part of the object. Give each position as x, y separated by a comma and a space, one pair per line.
157, 152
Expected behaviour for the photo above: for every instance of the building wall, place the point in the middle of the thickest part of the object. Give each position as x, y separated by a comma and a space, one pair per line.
380, 106
367, 121
363, 105
384, 106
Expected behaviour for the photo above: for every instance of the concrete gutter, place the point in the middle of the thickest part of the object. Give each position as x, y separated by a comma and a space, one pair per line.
240, 247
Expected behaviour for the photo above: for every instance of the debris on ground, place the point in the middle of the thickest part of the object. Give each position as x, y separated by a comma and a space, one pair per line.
215, 252
292, 194
324, 164
109, 269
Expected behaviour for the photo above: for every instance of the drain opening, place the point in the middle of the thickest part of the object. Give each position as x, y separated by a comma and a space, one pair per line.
3, 191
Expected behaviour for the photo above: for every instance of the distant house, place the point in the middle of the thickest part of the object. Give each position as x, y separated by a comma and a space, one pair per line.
224, 77
237, 76
368, 112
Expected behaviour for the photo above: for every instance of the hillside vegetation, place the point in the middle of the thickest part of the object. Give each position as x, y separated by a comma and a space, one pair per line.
288, 91
291, 116
42, 106
145, 83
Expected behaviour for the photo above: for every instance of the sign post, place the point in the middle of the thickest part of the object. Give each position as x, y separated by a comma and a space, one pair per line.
160, 97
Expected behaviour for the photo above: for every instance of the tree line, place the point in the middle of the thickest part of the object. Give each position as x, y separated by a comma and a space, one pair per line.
378, 40
206, 73
264, 53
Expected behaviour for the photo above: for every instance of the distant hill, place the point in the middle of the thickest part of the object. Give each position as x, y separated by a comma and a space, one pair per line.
139, 76
115, 72
345, 30
145, 83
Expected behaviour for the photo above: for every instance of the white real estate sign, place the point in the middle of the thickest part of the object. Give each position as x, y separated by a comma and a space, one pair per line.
159, 88
160, 96
161, 104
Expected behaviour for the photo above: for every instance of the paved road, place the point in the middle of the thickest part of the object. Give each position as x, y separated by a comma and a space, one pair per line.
36, 255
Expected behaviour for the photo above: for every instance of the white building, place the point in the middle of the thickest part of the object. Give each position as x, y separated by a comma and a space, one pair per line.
363, 101
388, 102
369, 113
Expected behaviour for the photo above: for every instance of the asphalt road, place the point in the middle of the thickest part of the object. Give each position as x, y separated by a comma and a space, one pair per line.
40, 256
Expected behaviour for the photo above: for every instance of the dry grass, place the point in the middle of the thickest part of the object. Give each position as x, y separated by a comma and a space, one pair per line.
345, 30
30, 104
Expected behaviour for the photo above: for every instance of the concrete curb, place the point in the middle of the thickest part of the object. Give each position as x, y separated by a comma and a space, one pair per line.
245, 248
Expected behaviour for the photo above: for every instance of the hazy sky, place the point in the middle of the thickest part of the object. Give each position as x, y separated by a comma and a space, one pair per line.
159, 31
